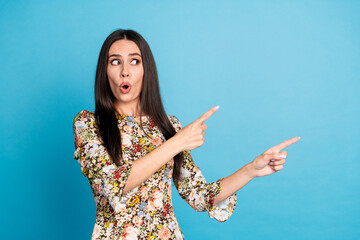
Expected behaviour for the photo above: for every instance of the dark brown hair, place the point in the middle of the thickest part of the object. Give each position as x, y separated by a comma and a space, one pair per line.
150, 99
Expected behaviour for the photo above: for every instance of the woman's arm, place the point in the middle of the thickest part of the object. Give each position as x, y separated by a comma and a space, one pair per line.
188, 138
146, 166
191, 137
265, 164
234, 182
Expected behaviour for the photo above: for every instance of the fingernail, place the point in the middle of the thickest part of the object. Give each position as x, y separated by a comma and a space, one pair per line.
217, 107
283, 156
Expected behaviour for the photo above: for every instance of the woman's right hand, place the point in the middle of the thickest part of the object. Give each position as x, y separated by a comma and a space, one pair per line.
192, 135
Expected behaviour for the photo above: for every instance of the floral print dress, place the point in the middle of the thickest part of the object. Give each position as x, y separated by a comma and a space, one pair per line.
146, 211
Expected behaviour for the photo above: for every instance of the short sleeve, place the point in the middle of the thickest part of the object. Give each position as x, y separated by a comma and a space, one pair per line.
199, 194
105, 177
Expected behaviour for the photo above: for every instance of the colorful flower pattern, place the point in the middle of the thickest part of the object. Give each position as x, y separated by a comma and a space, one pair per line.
146, 211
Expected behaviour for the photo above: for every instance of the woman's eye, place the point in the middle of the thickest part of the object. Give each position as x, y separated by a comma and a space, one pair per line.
137, 61
115, 62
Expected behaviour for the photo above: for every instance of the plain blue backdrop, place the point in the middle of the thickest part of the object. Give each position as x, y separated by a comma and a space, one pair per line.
278, 69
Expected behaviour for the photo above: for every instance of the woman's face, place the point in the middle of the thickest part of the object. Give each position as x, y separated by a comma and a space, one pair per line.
124, 67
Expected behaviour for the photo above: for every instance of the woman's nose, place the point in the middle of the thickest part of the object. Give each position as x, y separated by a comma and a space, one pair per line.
125, 72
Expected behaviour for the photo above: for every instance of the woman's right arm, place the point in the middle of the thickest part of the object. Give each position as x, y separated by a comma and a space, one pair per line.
188, 138
147, 165
111, 181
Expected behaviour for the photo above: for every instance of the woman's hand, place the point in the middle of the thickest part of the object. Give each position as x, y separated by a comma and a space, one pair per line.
271, 160
192, 136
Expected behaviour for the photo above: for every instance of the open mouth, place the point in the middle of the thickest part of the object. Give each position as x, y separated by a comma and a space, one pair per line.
125, 87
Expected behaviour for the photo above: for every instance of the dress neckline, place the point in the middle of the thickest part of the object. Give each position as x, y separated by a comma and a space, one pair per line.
129, 116
121, 116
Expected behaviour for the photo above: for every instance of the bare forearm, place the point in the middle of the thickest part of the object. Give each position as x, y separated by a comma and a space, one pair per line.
144, 167
234, 182
187, 138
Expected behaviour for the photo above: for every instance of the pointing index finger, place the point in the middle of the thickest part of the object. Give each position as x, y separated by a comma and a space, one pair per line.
283, 145
206, 115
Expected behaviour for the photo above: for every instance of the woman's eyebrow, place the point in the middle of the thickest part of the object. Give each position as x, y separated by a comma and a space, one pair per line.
119, 55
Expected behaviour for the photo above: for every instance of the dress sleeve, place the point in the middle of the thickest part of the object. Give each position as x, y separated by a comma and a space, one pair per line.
199, 194
104, 176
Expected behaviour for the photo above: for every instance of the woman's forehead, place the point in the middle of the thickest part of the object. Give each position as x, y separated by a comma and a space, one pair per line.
124, 47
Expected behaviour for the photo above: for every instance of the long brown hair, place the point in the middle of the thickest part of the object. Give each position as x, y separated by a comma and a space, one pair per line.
150, 99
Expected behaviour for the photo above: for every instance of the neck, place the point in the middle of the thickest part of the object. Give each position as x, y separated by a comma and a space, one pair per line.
130, 109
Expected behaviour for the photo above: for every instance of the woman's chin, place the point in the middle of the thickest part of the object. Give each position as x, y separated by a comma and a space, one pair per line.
125, 98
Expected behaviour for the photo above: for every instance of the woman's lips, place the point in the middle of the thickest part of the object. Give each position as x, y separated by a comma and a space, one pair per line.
123, 90
125, 87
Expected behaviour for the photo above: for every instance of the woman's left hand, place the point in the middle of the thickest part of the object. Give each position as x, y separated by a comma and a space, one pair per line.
271, 160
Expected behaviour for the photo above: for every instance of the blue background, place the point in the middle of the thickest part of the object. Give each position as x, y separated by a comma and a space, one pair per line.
278, 69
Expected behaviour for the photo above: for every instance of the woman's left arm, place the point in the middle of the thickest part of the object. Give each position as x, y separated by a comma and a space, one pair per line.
219, 197
199, 194
194, 189
234, 182
267, 163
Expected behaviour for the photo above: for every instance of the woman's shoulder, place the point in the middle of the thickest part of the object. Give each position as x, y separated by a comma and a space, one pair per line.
84, 128
84, 116
85, 113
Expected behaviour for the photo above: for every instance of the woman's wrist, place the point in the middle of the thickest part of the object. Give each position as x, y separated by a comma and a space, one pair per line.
174, 146
251, 171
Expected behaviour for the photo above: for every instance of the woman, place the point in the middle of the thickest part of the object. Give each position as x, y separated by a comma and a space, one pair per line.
132, 184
